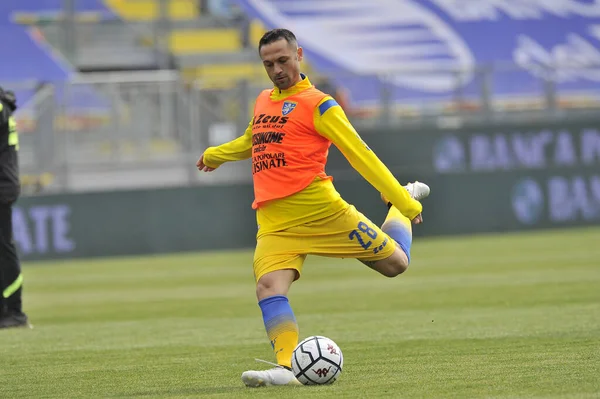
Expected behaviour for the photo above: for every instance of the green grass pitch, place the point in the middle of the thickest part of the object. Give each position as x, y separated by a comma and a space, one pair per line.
502, 316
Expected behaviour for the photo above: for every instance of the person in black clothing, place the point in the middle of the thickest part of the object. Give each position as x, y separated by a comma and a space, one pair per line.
11, 279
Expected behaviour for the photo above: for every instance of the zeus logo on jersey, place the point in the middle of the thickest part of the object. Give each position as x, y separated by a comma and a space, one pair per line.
264, 119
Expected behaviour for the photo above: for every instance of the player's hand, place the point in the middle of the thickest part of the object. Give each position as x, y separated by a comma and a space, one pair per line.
418, 219
201, 166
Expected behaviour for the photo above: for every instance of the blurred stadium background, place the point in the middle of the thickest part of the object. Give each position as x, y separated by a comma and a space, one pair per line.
119, 97
126, 93
123, 95
493, 103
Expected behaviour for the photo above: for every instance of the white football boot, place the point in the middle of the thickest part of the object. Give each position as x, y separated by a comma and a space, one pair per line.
264, 378
417, 190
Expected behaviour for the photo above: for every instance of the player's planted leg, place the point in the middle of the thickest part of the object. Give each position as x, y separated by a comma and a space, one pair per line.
263, 378
282, 329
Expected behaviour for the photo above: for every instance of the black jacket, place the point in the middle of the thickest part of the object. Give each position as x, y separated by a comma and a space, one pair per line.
9, 165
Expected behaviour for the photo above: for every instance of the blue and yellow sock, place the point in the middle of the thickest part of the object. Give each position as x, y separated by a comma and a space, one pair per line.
399, 227
281, 327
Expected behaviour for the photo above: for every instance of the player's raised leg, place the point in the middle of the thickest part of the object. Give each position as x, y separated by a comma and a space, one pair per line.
399, 228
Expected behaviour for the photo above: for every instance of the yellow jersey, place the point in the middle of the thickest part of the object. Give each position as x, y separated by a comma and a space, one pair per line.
280, 208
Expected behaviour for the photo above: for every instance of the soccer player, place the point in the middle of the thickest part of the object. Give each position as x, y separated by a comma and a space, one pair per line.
298, 210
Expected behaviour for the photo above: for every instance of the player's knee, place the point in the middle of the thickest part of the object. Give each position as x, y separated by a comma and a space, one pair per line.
275, 283
396, 265
400, 266
394, 270
264, 287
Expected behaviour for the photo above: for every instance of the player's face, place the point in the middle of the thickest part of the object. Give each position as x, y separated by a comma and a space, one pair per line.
282, 63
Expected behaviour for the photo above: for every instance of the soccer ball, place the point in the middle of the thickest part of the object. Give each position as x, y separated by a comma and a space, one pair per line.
317, 360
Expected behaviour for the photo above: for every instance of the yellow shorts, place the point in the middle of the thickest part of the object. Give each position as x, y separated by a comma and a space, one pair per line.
345, 234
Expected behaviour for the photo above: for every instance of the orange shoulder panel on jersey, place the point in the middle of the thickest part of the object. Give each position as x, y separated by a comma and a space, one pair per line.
287, 151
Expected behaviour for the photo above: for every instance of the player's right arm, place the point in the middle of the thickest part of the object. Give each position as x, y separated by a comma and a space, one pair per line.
235, 150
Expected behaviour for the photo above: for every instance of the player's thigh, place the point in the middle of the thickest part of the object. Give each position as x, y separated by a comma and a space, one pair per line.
277, 252
350, 234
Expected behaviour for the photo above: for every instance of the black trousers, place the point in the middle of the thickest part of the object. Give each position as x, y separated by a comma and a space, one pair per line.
10, 267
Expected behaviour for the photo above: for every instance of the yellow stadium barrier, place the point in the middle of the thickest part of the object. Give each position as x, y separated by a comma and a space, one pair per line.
204, 40
149, 10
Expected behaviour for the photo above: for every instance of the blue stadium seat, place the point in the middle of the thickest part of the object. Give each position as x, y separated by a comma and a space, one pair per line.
33, 61
8, 8
29, 60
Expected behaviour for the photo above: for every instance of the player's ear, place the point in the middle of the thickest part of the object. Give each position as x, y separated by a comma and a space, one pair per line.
300, 54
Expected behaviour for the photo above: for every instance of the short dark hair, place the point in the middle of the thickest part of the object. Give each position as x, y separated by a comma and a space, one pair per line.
277, 34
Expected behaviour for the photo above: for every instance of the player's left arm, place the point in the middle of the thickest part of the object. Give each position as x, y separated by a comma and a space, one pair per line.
332, 123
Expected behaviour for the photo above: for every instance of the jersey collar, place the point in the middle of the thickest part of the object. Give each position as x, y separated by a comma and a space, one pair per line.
277, 94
